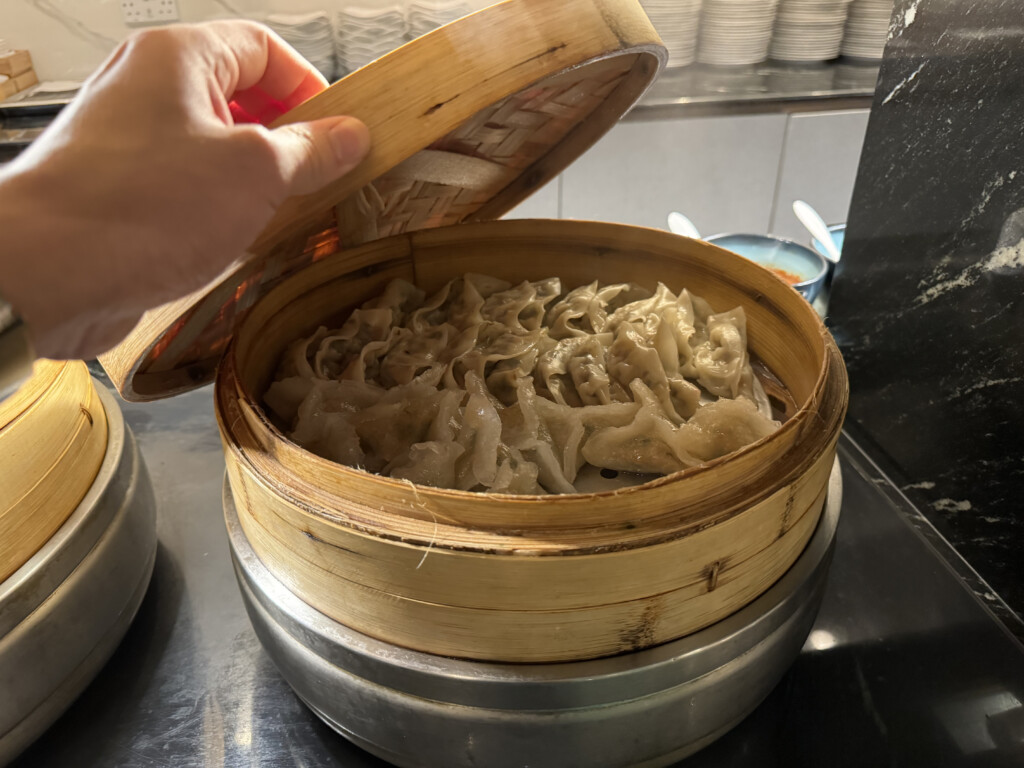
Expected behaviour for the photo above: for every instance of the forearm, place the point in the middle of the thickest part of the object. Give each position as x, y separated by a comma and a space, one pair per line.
144, 189
51, 265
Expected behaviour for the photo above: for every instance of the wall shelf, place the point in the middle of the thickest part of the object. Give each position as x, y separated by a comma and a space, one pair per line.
700, 90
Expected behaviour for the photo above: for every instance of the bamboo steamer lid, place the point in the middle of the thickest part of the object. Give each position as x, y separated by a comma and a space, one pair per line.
467, 121
53, 436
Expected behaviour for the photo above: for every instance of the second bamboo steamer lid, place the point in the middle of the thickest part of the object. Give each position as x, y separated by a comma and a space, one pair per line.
467, 122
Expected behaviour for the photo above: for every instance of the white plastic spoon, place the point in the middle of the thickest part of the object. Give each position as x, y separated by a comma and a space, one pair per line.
816, 225
681, 225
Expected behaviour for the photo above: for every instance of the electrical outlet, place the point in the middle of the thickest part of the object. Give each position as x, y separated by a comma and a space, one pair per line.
142, 13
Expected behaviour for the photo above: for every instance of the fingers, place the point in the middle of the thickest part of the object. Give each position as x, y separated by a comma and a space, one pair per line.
312, 155
252, 62
254, 106
265, 109
237, 61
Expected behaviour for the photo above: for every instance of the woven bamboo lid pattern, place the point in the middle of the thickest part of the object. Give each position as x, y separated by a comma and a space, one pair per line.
467, 121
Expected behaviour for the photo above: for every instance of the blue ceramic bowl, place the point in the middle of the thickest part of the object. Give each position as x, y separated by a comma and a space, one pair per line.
838, 237
808, 266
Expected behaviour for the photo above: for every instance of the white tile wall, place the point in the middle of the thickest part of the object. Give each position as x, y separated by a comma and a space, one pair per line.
70, 38
819, 165
719, 171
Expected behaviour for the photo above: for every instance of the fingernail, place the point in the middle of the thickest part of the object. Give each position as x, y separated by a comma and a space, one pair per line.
350, 139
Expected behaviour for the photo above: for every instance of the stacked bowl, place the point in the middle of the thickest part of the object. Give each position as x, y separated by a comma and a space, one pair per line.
677, 22
363, 34
424, 15
809, 30
867, 29
735, 32
310, 34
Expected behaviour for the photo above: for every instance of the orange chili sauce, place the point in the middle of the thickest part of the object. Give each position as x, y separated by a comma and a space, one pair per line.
789, 277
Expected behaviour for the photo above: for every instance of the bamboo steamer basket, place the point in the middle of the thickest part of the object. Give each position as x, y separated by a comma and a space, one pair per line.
483, 576
648, 708
53, 436
65, 610
533, 578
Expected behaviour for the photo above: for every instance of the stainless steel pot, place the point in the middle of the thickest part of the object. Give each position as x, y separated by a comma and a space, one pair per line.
649, 708
64, 611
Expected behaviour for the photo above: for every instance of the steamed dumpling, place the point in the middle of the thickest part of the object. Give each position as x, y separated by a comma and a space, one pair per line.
490, 386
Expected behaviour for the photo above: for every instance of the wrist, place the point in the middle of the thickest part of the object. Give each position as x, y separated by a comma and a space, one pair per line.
19, 267
16, 353
41, 266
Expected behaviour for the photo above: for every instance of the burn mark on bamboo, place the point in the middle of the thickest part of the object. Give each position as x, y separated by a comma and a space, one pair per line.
553, 49
711, 573
533, 178
313, 537
87, 413
642, 635
614, 27
364, 273
548, 52
196, 373
786, 514
310, 535
438, 106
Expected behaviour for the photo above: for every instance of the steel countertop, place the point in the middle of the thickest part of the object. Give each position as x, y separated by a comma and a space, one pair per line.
905, 665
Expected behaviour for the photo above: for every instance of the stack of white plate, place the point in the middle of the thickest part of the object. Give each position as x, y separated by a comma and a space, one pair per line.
310, 34
677, 22
867, 29
425, 15
365, 33
809, 30
735, 32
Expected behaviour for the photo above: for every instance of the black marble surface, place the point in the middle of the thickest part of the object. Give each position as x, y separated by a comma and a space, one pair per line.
928, 302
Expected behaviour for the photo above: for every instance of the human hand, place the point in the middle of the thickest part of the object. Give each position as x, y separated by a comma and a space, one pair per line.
144, 189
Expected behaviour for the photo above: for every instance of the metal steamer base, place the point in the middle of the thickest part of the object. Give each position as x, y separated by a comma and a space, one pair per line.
648, 708
65, 610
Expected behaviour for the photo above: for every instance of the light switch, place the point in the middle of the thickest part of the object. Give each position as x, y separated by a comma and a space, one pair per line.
141, 13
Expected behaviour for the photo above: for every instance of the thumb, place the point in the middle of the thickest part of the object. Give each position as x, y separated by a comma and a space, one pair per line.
312, 155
